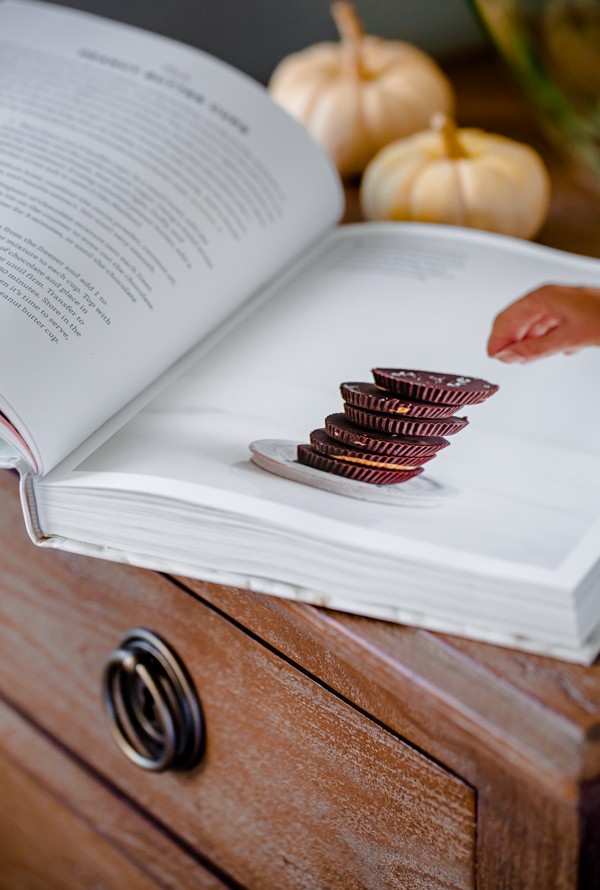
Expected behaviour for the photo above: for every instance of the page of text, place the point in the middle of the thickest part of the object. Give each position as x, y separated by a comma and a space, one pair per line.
146, 191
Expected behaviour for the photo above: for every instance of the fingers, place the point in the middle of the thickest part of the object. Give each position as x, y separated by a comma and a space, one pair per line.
517, 322
543, 327
550, 319
537, 347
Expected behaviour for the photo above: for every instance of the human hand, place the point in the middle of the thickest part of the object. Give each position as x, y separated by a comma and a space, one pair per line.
553, 318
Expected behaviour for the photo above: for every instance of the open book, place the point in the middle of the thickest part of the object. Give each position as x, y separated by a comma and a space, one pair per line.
173, 287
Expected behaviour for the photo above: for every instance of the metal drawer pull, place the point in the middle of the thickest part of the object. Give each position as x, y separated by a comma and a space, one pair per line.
152, 707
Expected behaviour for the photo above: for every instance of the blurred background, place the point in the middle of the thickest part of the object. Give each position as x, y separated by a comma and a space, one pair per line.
550, 48
254, 35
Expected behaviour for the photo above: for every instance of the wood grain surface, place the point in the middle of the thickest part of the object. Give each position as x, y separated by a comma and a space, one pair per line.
61, 828
296, 789
540, 714
524, 737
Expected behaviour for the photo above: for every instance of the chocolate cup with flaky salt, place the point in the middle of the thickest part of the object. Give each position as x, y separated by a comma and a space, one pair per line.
429, 386
339, 428
373, 398
375, 475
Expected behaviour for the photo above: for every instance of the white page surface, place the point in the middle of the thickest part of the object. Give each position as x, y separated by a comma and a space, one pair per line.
526, 471
146, 190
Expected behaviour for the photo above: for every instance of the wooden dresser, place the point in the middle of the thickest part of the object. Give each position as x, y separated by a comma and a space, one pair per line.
339, 752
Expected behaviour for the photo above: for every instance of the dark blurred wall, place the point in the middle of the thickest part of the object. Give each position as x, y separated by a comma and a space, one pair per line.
254, 35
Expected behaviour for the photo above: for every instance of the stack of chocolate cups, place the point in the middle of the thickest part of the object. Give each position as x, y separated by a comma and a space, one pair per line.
389, 429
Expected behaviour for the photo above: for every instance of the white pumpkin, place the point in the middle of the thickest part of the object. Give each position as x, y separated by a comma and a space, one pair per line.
463, 177
362, 93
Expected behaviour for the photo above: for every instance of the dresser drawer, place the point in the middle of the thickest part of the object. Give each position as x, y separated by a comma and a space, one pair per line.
61, 828
296, 788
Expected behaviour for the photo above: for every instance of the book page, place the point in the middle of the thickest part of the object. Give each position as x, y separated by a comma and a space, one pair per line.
146, 191
524, 476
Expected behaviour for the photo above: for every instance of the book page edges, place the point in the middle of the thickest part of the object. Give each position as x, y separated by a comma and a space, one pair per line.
583, 654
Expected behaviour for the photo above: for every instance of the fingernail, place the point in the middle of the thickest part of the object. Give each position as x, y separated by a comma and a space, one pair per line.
507, 355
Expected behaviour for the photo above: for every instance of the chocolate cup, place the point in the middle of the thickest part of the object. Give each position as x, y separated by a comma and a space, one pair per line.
429, 386
373, 398
339, 428
411, 426
374, 476
324, 444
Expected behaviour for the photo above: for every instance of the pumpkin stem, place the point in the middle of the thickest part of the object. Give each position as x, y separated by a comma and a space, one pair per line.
445, 126
351, 32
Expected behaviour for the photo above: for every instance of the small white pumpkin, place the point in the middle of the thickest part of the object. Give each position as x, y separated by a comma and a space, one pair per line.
462, 177
362, 93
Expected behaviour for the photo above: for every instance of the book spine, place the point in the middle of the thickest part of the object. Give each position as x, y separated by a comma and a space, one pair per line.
29, 505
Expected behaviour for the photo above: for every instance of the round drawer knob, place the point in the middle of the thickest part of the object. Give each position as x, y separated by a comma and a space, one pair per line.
152, 707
